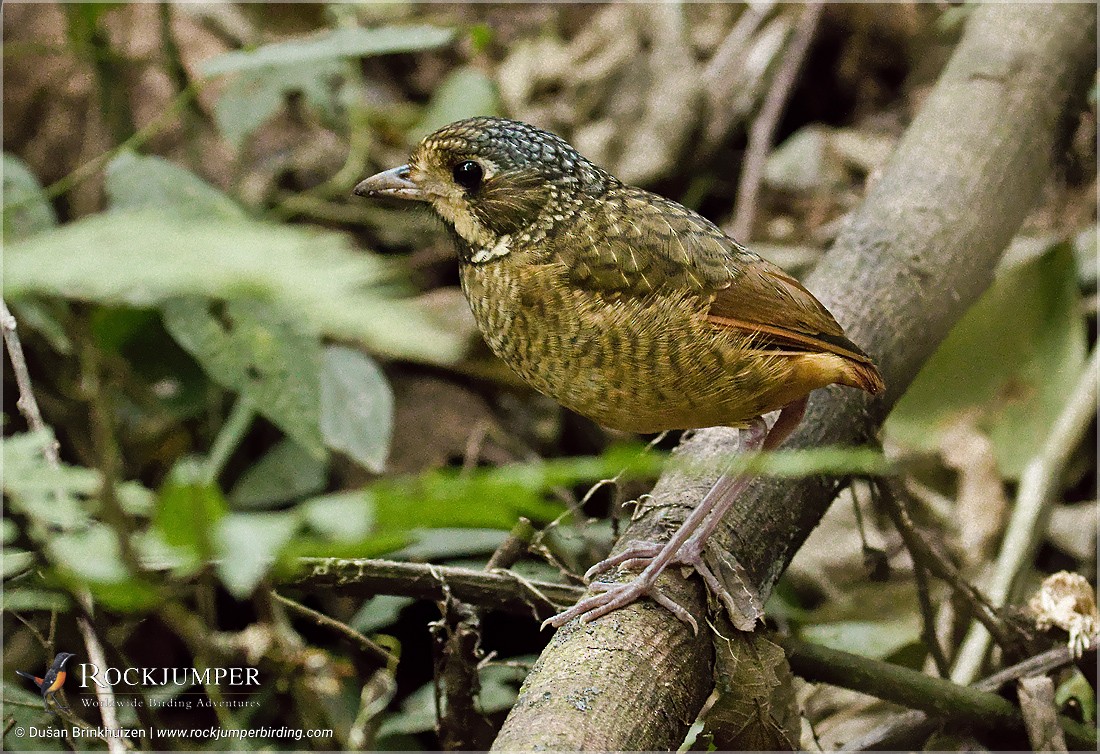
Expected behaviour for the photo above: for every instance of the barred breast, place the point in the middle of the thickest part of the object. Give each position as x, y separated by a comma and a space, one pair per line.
624, 363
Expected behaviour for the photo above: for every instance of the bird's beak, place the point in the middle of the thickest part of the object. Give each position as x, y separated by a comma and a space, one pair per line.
395, 183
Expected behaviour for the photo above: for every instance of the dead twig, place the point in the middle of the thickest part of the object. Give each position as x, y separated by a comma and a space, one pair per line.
28, 406
763, 126
925, 556
339, 627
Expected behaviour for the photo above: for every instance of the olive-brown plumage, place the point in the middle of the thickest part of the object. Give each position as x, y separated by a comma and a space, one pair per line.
625, 306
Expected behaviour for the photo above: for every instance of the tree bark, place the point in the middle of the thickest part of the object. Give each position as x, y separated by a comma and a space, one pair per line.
919, 251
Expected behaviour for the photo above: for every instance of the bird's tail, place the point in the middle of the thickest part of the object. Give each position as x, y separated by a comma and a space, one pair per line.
863, 375
28, 676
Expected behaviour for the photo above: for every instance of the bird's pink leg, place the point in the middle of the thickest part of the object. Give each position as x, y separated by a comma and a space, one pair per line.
687, 544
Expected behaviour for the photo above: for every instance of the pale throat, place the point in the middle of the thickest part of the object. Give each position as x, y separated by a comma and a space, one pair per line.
485, 245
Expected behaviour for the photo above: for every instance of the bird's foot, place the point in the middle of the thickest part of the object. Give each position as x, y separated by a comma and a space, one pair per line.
742, 602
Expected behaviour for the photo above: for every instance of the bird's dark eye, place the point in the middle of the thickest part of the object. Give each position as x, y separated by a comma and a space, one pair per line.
468, 174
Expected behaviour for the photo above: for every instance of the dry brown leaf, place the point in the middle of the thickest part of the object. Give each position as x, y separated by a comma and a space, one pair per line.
755, 708
1036, 696
981, 504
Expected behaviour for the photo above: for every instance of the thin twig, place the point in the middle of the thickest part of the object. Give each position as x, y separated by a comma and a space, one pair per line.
28, 406
764, 125
339, 627
924, 554
1036, 495
103, 691
928, 620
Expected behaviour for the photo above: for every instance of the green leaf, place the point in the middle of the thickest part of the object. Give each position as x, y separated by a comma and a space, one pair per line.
331, 45
465, 93
188, 510
27, 211
58, 497
260, 352
286, 472
14, 561
342, 516
1009, 364
136, 182
356, 407
255, 95
91, 554
145, 257
47, 495
17, 600
36, 315
247, 545
870, 638
10, 531
433, 545
379, 612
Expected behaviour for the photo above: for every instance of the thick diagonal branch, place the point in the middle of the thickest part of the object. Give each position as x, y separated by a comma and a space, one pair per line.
916, 255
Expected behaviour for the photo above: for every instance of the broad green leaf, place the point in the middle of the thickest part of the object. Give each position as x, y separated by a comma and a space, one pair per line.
188, 510
255, 95
500, 683
27, 211
1009, 364
131, 596
136, 182
331, 45
341, 516
49, 496
356, 407
877, 638
442, 543
417, 714
247, 545
262, 353
62, 496
92, 554
10, 531
286, 472
36, 315
14, 561
145, 257
379, 612
465, 93
19, 600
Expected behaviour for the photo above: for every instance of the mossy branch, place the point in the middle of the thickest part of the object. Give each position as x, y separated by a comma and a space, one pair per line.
907, 266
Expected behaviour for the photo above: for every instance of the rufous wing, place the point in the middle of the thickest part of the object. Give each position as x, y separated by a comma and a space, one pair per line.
765, 301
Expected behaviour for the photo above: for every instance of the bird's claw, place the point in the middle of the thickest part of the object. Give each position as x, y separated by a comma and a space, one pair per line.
611, 597
744, 609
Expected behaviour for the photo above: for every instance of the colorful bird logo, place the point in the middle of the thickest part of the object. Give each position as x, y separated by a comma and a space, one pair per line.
52, 682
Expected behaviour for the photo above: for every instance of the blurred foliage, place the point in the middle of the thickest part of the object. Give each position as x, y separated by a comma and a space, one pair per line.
1008, 365
242, 365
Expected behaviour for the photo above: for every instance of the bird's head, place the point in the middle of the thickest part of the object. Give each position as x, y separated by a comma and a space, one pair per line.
492, 181
62, 658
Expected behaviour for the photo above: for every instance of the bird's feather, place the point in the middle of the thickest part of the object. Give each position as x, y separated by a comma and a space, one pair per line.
641, 244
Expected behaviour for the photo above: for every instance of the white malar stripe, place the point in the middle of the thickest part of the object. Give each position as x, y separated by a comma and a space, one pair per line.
499, 249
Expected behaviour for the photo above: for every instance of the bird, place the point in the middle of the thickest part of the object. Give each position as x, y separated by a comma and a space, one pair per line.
52, 681
629, 309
